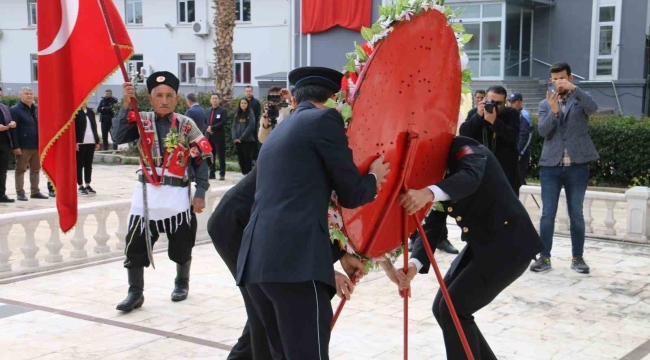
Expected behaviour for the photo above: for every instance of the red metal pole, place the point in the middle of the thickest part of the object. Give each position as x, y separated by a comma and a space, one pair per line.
443, 288
134, 104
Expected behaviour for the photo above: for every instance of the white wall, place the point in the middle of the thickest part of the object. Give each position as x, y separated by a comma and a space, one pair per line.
266, 38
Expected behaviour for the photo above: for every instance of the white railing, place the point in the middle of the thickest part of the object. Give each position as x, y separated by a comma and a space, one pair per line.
32, 241
612, 216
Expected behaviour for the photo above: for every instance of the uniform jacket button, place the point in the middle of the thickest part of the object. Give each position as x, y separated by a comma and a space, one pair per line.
450, 209
505, 222
465, 230
458, 218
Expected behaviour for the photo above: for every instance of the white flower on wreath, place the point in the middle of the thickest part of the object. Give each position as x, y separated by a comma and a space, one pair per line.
464, 61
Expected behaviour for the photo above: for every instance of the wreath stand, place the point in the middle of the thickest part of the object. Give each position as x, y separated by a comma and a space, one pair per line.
402, 186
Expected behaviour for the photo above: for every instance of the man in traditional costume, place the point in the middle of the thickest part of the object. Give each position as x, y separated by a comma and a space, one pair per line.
164, 201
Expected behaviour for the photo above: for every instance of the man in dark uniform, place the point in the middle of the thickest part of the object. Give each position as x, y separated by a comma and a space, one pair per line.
106, 114
226, 228
186, 153
286, 256
217, 119
501, 240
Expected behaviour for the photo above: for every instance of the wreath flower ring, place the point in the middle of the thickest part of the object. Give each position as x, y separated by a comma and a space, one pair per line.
402, 10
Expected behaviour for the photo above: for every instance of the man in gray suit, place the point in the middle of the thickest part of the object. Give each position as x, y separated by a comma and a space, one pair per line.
567, 152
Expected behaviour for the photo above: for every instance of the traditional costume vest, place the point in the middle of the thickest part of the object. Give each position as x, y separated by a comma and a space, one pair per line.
172, 198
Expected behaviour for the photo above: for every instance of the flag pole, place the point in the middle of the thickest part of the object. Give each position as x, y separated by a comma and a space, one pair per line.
146, 148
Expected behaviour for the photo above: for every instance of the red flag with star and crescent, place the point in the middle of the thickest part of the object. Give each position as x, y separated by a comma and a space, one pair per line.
75, 56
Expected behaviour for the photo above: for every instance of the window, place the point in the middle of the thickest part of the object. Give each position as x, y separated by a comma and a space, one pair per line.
186, 13
187, 68
133, 12
242, 68
243, 10
605, 35
34, 67
136, 61
31, 12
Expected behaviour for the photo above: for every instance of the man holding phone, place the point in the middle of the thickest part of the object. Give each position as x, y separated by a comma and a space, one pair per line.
567, 152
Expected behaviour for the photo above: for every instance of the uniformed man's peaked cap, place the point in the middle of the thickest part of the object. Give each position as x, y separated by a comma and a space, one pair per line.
310, 75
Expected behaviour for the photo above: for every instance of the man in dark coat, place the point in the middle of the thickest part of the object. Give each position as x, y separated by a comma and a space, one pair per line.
501, 240
217, 119
498, 130
7, 125
286, 256
195, 111
106, 114
226, 228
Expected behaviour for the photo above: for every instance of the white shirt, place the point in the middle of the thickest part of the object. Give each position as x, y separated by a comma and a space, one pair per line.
89, 138
439, 195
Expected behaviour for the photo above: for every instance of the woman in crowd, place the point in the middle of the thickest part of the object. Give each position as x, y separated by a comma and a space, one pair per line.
87, 143
243, 129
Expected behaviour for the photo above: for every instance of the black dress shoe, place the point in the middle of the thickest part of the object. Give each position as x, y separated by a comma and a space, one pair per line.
21, 197
5, 199
39, 196
52, 194
447, 247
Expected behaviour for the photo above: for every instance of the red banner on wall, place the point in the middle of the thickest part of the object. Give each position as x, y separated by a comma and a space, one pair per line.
322, 15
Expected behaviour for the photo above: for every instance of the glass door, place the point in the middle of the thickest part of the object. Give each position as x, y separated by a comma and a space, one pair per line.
485, 50
518, 40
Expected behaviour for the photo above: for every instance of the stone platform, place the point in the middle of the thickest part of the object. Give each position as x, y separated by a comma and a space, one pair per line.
69, 313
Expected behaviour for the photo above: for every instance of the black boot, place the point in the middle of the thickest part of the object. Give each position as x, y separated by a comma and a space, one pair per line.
182, 282
135, 298
447, 247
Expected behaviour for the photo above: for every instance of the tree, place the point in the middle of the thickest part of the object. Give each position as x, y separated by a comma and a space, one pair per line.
224, 22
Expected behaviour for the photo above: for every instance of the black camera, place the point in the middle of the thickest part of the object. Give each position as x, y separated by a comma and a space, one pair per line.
274, 103
490, 105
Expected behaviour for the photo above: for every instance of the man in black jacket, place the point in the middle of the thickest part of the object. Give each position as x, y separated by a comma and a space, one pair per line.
498, 130
106, 115
217, 119
286, 255
25, 144
501, 240
7, 126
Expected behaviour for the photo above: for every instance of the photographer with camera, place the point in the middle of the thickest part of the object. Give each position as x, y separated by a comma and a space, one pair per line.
276, 109
497, 127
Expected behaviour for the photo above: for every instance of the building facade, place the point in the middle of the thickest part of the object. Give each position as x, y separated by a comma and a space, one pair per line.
514, 43
172, 35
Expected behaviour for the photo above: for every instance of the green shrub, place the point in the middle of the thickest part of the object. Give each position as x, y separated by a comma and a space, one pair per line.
623, 145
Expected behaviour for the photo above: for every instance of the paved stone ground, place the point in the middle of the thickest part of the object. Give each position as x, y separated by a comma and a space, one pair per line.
557, 315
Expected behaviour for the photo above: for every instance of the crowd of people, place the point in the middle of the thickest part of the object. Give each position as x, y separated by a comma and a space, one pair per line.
286, 281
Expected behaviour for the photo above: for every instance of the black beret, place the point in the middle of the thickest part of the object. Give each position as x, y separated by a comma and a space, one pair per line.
162, 78
310, 75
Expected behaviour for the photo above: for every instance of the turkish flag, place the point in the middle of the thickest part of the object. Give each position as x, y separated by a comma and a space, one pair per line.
75, 56
321, 15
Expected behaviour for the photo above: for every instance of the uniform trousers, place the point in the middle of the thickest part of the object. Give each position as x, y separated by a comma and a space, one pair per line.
106, 129
471, 288
181, 241
296, 316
